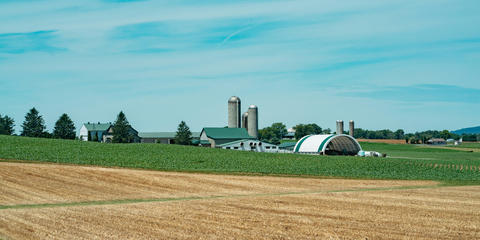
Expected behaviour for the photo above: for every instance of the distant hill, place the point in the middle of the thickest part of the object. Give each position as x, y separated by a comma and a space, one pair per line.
471, 130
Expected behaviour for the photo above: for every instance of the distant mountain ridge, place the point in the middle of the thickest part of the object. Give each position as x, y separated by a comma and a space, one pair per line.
471, 130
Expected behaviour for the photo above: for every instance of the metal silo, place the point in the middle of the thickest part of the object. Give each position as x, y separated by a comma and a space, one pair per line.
340, 127
234, 108
352, 128
245, 120
252, 121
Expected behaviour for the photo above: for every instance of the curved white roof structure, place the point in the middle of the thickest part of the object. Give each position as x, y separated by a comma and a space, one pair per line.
328, 144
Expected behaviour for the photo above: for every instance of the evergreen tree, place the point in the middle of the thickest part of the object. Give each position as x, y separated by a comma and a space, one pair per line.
64, 128
34, 125
6, 125
121, 127
183, 136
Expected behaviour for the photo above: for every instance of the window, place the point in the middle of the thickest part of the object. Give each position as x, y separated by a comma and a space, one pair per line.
227, 148
267, 147
235, 147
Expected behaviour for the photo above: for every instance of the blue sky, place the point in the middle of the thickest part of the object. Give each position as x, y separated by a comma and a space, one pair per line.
392, 64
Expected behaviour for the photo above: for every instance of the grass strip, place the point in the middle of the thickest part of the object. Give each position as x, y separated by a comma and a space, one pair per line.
129, 201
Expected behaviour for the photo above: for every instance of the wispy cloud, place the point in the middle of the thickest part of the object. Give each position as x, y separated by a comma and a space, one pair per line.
421, 93
154, 52
39, 41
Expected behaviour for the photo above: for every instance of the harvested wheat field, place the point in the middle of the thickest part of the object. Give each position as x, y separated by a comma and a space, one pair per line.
41, 201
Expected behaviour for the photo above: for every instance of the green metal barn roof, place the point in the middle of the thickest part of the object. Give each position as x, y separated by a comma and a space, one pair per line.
227, 133
97, 126
287, 145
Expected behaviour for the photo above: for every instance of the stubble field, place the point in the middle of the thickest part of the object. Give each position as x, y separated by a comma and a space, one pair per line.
42, 201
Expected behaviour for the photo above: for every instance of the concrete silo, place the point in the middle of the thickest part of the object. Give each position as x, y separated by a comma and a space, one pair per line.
340, 127
245, 120
234, 108
252, 122
352, 128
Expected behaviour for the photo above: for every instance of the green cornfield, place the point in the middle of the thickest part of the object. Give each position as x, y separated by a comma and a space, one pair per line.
404, 161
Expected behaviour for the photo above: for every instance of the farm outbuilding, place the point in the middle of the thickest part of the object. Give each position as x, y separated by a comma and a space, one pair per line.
249, 145
162, 137
328, 145
211, 137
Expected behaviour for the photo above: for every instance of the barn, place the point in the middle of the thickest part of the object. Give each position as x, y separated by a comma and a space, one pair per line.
249, 145
211, 137
329, 144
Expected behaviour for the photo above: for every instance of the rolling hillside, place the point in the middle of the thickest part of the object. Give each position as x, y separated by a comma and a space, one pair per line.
406, 161
471, 130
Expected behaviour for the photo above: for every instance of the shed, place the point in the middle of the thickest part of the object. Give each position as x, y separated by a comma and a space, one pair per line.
162, 137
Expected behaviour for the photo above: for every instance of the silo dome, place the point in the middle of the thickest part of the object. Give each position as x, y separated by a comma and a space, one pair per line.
234, 99
253, 106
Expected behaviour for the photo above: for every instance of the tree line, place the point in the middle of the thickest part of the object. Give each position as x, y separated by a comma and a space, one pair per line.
34, 126
275, 133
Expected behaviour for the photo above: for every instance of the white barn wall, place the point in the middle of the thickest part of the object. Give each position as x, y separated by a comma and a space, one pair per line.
83, 133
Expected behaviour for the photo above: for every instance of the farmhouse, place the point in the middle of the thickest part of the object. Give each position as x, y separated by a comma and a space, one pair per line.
328, 145
249, 145
102, 132
93, 131
108, 135
162, 137
211, 137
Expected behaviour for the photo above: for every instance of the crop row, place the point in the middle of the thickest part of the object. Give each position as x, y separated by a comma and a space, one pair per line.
195, 159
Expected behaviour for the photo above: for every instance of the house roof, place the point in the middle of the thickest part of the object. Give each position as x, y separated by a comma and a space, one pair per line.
227, 133
131, 128
170, 135
97, 126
